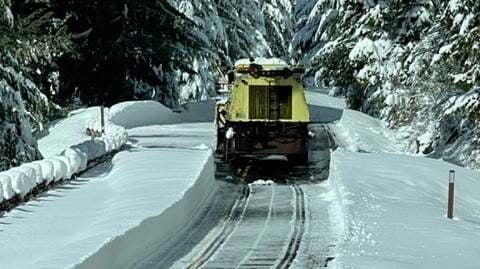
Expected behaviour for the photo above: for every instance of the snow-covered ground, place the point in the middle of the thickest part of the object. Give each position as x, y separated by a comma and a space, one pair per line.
323, 108
186, 135
321, 99
387, 209
68, 131
380, 208
117, 205
102, 212
391, 212
359, 132
352, 129
67, 150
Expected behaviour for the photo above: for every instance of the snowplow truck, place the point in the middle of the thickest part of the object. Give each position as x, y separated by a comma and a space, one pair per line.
264, 113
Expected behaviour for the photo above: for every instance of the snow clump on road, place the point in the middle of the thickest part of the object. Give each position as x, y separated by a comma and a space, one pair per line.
262, 182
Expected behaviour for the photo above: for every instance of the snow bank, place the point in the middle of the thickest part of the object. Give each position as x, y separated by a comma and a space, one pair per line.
353, 130
196, 136
144, 113
357, 131
68, 148
324, 108
141, 113
393, 211
72, 160
198, 112
127, 211
6, 187
68, 131
125, 250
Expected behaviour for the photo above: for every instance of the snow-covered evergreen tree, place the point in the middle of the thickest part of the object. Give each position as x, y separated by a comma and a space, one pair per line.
232, 30
126, 50
16, 142
413, 63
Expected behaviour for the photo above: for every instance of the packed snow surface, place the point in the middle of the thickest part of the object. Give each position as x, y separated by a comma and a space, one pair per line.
393, 211
379, 208
316, 98
324, 108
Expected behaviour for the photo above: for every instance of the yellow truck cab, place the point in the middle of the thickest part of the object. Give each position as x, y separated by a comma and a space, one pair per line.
265, 113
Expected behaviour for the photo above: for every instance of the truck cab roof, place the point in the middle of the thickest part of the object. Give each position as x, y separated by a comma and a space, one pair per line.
267, 67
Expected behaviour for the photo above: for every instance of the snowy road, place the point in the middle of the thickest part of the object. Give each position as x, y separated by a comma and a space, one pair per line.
258, 225
184, 217
378, 209
222, 223
269, 225
264, 230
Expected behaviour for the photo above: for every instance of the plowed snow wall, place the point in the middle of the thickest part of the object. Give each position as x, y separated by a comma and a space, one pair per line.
137, 243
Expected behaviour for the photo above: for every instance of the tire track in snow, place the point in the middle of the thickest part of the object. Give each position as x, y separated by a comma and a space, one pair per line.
261, 250
299, 229
237, 212
262, 233
163, 257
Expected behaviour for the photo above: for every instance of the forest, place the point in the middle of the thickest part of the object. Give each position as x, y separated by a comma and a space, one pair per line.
414, 64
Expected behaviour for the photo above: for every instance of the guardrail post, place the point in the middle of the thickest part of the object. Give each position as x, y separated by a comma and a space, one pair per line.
451, 193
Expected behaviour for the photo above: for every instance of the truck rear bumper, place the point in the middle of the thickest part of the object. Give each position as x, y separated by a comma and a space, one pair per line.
263, 139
